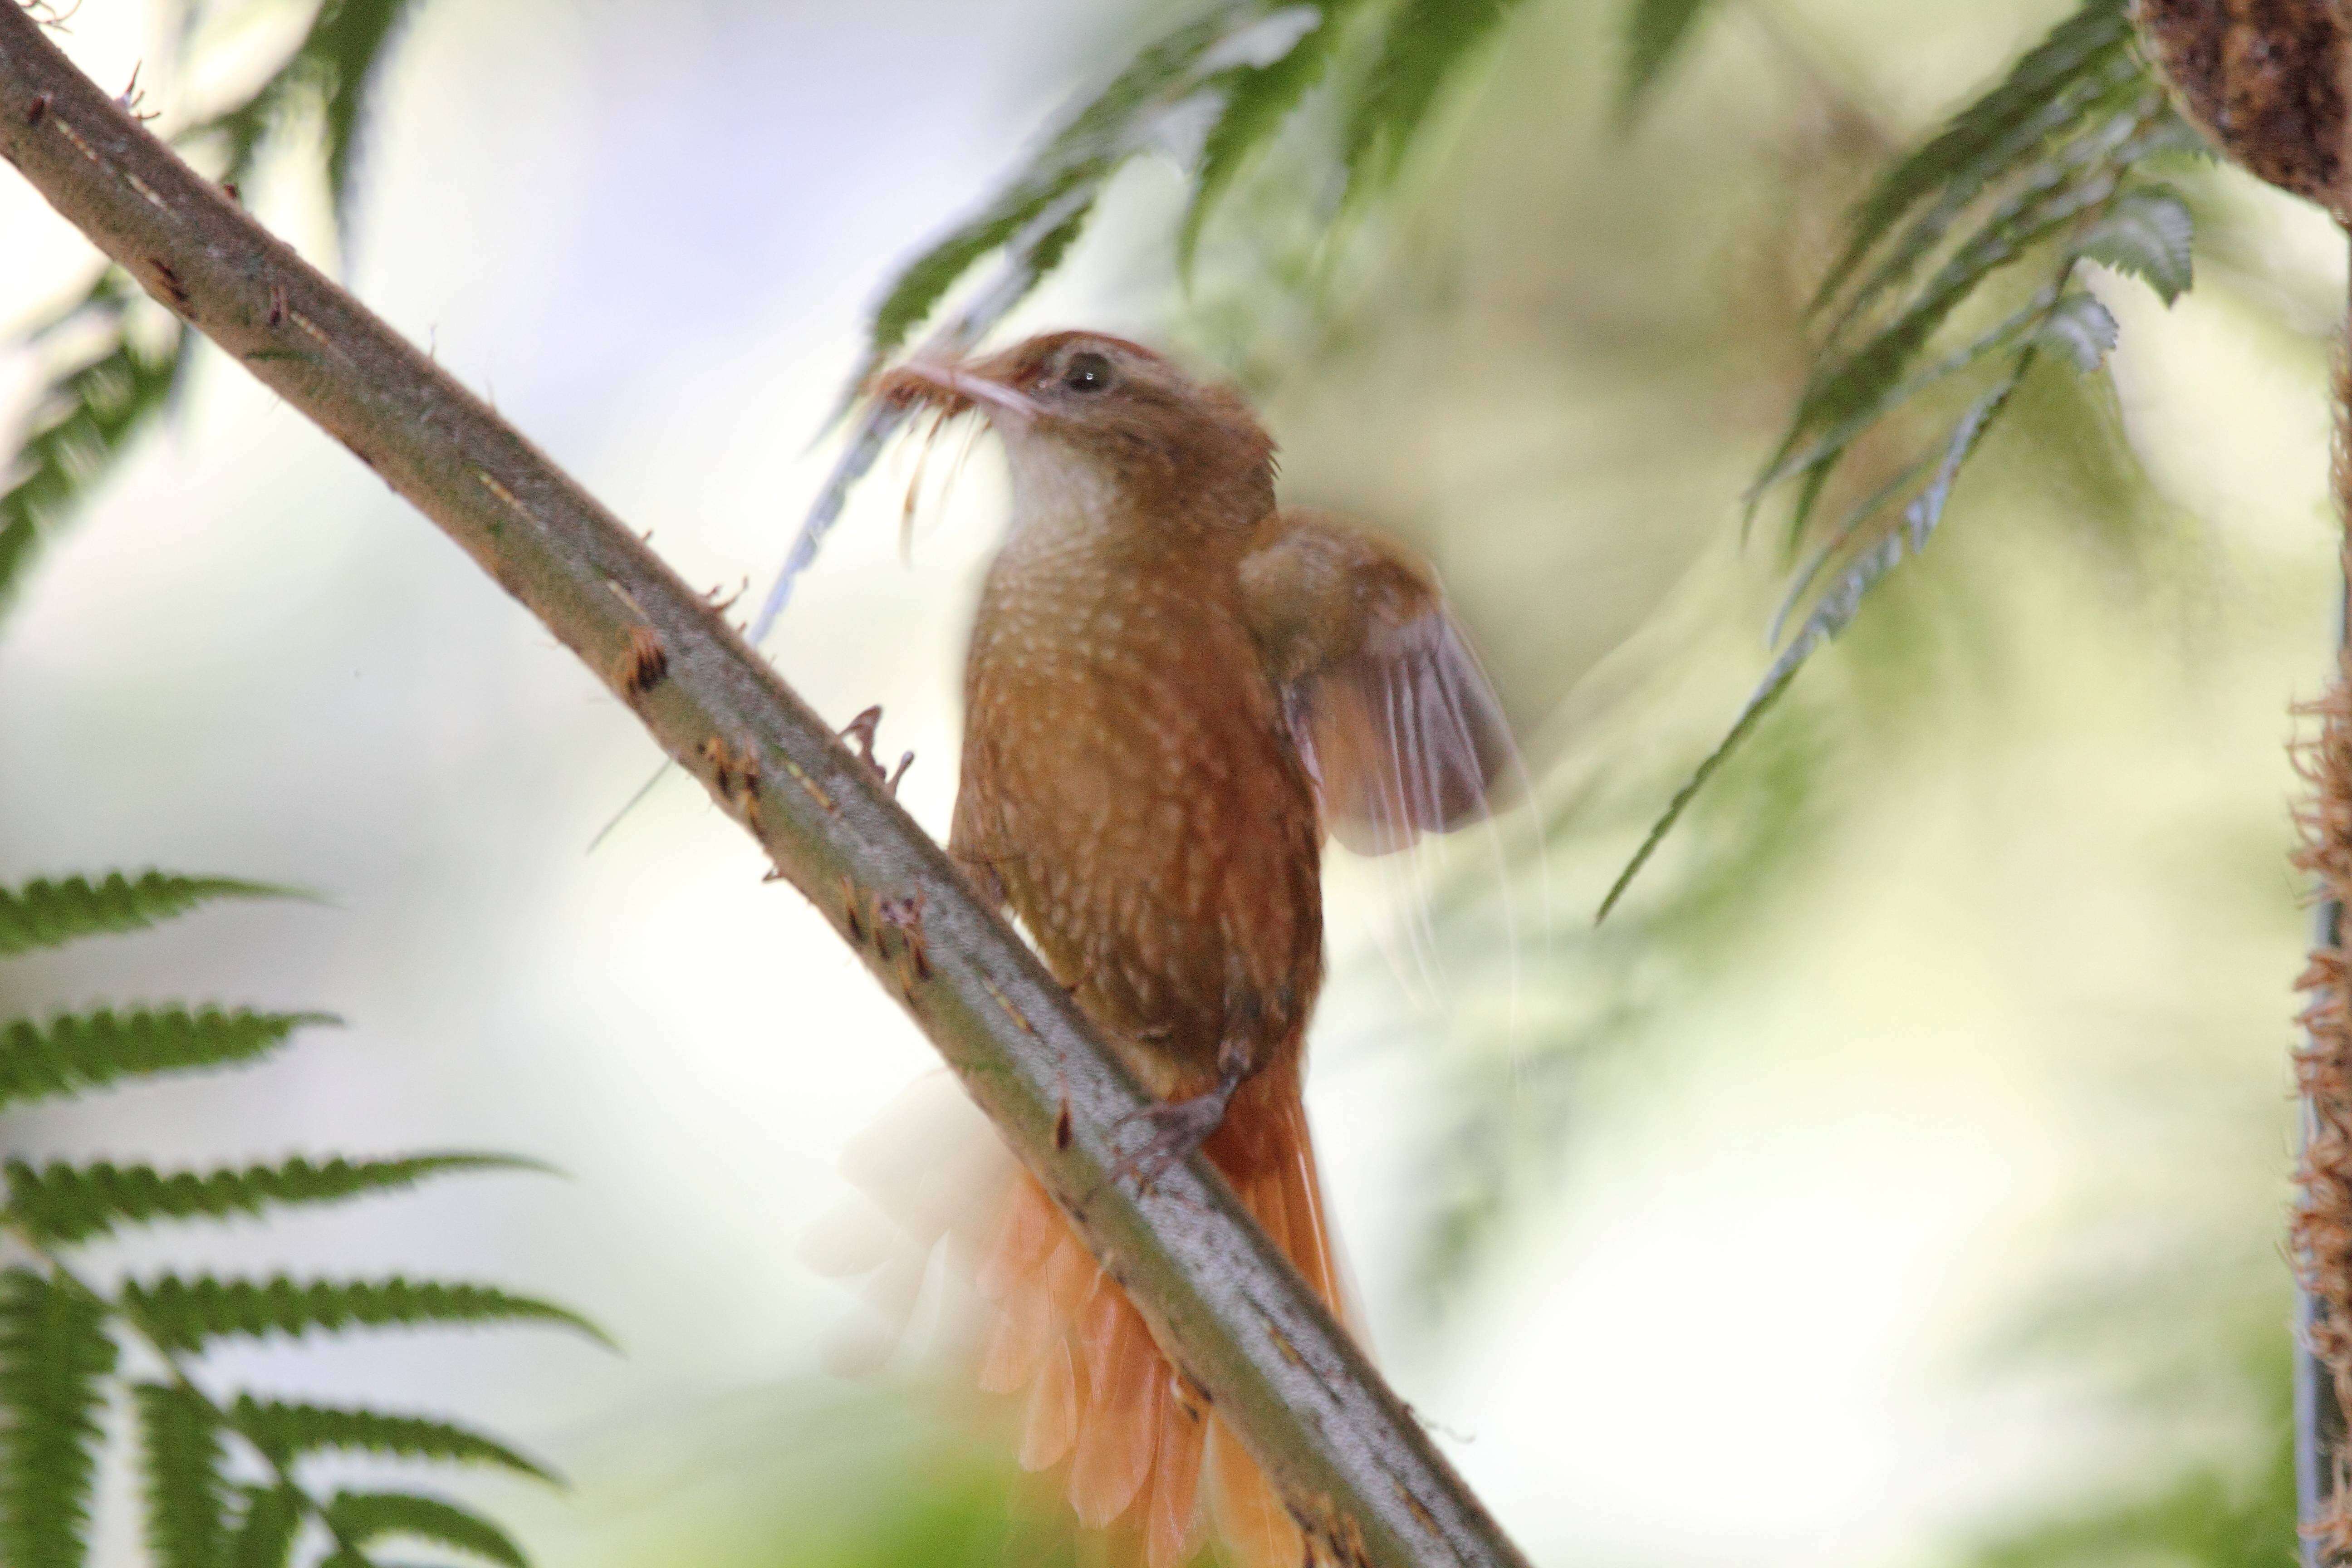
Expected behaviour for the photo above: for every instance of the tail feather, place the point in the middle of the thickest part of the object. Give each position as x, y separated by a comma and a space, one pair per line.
1053, 1424
1024, 1239
1145, 1461
1017, 1345
1172, 1524
1102, 1329
1122, 1426
1248, 1516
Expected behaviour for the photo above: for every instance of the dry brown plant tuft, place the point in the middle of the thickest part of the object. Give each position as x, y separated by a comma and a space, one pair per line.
2265, 79
2320, 1233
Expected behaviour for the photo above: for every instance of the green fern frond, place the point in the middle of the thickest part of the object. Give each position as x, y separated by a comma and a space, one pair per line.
44, 913
286, 1432
1876, 400
2049, 147
187, 1497
54, 1355
1257, 59
266, 1530
1831, 616
2081, 327
2045, 169
346, 51
63, 1203
2073, 192
2146, 233
187, 1314
1259, 98
1043, 209
1655, 31
89, 415
1428, 42
1986, 140
77, 1051
83, 422
363, 1517
337, 67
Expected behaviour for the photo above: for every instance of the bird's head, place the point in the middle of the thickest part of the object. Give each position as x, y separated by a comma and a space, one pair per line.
1100, 431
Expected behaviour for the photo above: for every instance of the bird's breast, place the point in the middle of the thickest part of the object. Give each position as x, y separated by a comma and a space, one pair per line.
1128, 777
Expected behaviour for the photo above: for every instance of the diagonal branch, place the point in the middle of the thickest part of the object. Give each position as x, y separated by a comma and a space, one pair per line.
1347, 1454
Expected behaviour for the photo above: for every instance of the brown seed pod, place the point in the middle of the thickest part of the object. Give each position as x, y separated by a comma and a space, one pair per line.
2264, 79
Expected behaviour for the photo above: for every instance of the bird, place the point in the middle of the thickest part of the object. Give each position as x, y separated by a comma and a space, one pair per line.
1175, 691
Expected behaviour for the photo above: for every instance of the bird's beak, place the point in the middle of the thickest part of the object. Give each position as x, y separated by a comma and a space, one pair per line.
954, 386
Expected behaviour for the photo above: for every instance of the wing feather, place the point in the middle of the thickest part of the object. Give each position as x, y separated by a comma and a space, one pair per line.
1390, 711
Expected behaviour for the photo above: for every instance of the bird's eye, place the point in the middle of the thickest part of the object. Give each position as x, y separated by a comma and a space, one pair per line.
1087, 371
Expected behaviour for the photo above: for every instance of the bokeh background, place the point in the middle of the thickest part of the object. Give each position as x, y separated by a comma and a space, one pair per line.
1898, 1178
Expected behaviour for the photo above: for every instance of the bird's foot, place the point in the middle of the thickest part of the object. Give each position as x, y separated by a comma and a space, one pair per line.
1176, 1129
863, 731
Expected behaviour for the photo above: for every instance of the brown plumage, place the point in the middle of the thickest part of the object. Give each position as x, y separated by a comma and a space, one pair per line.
1173, 690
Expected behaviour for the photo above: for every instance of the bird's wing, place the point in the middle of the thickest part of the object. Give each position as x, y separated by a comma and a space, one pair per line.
1392, 713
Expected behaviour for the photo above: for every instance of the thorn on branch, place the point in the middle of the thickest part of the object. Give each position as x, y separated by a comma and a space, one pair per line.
852, 916
735, 772
644, 663
722, 606
132, 97
230, 189
277, 306
39, 111
171, 282
904, 918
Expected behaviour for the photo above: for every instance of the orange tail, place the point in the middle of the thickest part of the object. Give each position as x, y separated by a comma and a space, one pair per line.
1143, 1462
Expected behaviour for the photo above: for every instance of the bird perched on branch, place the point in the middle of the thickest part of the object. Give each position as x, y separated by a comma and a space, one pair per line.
1175, 690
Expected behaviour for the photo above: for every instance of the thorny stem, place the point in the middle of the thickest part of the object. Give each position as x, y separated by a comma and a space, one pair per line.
1350, 1461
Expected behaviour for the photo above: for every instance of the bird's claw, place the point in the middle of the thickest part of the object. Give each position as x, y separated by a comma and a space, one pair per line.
863, 730
1178, 1127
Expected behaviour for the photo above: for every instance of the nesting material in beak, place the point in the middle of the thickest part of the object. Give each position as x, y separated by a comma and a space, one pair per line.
955, 387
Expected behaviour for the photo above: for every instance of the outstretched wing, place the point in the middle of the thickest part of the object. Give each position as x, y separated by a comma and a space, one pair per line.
1392, 713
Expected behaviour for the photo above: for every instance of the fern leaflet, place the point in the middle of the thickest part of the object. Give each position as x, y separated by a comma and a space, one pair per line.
187, 1497
187, 1314
345, 51
62, 1203
267, 1529
1835, 610
86, 419
363, 1517
1985, 140
1259, 99
285, 1432
1040, 213
44, 913
1428, 41
1655, 31
54, 1354
78, 1051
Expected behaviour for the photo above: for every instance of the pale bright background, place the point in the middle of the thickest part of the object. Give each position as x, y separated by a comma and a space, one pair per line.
2022, 1014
